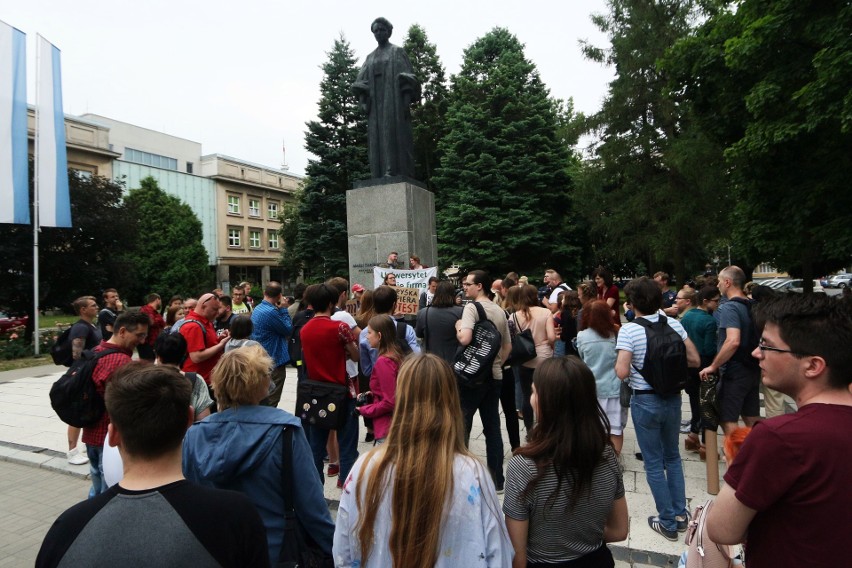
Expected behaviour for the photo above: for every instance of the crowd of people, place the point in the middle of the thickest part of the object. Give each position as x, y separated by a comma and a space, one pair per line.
199, 435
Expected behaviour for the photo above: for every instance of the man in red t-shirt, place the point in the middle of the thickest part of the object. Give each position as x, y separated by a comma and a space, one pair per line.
203, 346
128, 331
787, 491
326, 344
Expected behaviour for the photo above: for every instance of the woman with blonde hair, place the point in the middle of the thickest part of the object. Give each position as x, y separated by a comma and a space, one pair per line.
421, 499
241, 448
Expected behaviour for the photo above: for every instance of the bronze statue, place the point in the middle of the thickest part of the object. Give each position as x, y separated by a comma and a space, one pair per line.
386, 88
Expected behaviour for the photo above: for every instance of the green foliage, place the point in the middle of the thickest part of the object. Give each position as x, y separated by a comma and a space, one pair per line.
770, 82
166, 252
15, 345
428, 115
314, 230
73, 262
504, 194
649, 190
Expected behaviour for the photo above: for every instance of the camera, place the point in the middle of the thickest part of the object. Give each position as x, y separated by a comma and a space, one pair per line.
364, 398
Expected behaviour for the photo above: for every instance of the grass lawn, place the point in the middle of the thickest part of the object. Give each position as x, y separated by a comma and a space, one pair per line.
25, 362
51, 321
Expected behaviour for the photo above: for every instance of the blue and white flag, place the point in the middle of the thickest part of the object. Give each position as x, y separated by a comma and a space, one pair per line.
14, 170
51, 159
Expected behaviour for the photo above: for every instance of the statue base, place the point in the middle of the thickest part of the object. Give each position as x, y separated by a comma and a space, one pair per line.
389, 214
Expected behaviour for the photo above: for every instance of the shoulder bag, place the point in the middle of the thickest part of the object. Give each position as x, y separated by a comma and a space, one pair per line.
298, 549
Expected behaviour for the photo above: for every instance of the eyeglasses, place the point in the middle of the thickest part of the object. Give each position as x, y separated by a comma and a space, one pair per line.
680, 298
466, 284
764, 347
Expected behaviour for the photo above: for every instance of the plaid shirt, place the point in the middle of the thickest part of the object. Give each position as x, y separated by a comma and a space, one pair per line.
94, 435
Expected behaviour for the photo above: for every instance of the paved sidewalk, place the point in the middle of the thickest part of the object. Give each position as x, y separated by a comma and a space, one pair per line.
31, 434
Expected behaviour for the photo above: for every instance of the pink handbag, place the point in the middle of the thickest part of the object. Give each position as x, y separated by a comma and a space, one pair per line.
702, 552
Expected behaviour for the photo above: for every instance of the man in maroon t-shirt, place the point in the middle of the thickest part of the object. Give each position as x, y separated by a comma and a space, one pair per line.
787, 491
202, 344
326, 344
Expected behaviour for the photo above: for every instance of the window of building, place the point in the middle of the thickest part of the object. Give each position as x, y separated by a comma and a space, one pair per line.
273, 239
254, 239
272, 209
254, 207
149, 159
234, 204
189, 167
234, 238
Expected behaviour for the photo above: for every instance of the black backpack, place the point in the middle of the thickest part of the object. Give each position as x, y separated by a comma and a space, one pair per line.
74, 397
294, 343
61, 350
473, 361
749, 338
665, 366
401, 342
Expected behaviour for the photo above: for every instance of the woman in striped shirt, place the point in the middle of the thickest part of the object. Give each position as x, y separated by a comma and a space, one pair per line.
564, 492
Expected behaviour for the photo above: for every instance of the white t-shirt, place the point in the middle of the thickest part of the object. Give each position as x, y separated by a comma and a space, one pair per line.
632, 337
554, 296
474, 533
346, 317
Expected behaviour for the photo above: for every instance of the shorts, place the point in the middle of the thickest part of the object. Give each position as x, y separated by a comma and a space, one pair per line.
739, 393
616, 414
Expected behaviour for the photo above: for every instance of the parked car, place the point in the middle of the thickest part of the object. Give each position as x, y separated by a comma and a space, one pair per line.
797, 286
9, 321
840, 280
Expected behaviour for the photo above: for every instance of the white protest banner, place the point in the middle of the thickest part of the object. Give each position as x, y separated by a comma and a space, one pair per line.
418, 279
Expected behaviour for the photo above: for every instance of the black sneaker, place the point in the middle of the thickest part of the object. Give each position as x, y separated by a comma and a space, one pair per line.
639, 456
683, 522
499, 487
656, 526
370, 437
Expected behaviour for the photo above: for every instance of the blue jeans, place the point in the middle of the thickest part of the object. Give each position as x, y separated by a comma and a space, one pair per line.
486, 399
347, 439
657, 423
559, 348
96, 470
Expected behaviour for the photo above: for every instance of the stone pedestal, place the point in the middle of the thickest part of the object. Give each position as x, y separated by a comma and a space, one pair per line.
384, 215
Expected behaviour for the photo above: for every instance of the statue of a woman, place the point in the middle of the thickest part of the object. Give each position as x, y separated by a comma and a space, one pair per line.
386, 87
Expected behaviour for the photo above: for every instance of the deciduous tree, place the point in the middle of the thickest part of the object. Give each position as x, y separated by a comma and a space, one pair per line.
166, 251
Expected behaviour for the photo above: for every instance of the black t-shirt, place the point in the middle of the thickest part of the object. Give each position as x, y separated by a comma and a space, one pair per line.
179, 524
106, 317
91, 333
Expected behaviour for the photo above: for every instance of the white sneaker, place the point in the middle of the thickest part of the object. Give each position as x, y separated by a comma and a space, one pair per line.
77, 458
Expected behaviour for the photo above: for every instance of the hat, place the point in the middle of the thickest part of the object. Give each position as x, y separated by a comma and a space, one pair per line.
357, 288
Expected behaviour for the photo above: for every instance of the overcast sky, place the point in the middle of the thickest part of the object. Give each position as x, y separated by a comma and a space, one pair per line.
243, 77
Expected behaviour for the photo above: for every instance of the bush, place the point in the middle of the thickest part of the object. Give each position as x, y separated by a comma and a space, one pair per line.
13, 344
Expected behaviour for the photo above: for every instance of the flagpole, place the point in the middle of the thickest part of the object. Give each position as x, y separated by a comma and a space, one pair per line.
38, 111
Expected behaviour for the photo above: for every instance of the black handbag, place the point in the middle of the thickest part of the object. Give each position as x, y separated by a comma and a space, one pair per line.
322, 404
298, 549
523, 345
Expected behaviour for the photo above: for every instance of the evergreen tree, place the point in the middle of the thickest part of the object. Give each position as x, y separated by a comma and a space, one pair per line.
167, 254
315, 237
650, 189
504, 193
428, 115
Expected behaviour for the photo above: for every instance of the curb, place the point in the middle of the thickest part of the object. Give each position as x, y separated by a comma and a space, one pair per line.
41, 458
56, 461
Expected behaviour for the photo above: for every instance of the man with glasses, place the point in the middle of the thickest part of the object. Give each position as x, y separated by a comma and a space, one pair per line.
486, 397
203, 346
787, 492
129, 330
739, 388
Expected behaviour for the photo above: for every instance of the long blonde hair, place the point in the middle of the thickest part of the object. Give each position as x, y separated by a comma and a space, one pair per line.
425, 436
